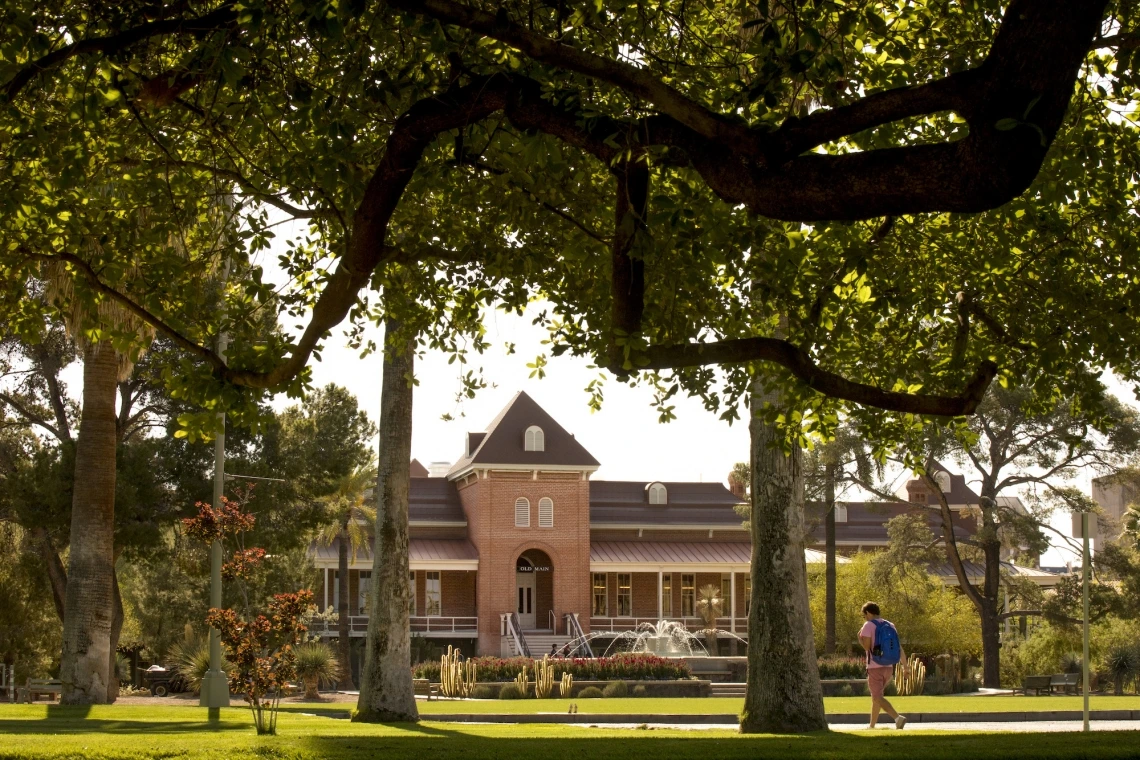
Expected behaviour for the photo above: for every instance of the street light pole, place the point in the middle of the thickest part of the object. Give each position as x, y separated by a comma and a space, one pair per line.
1085, 562
215, 691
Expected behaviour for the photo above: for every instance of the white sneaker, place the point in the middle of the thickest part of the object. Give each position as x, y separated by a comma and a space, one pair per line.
900, 721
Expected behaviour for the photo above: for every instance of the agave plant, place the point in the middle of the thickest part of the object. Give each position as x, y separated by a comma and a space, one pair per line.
191, 659
1123, 663
316, 665
710, 606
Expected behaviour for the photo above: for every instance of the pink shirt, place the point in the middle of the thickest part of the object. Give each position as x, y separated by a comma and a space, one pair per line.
868, 632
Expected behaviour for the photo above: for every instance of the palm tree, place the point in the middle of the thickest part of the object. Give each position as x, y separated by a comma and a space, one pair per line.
350, 520
92, 619
710, 605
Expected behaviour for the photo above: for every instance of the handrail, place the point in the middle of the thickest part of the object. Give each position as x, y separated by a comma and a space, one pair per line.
553, 620
514, 626
574, 629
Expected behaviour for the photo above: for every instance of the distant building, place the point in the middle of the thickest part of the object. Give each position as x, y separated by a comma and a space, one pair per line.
516, 547
1114, 494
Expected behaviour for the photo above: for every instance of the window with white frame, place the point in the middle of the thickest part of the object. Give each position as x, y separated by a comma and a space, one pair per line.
432, 602
625, 595
658, 494
688, 595
522, 512
546, 512
943, 480
600, 607
725, 591
667, 595
362, 592
534, 440
411, 592
840, 513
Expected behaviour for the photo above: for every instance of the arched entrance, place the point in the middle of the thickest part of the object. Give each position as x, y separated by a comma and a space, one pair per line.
534, 589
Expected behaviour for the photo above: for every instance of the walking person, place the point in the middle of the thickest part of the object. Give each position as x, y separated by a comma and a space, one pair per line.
880, 640
554, 649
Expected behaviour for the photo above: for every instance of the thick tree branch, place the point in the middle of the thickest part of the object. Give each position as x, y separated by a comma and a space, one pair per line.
30, 417
634, 80
801, 365
221, 18
952, 554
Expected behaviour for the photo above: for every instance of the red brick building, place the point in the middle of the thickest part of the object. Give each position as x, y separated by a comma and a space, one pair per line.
516, 546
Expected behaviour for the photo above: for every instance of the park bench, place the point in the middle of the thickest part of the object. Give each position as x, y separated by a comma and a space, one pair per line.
1037, 685
1066, 682
424, 687
34, 688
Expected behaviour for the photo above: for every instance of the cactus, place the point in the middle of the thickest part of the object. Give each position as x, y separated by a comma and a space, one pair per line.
520, 681
910, 676
567, 685
543, 678
456, 677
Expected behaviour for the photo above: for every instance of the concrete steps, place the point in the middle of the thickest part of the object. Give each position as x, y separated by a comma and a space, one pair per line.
727, 689
538, 641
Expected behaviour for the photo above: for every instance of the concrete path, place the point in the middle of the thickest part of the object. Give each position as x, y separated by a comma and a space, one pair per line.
1036, 726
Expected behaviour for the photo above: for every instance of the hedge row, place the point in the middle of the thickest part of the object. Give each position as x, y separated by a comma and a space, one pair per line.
633, 667
842, 667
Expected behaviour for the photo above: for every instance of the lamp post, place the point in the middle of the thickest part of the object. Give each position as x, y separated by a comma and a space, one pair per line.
215, 686
1085, 562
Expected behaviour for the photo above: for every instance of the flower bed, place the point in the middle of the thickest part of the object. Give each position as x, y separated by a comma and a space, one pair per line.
629, 667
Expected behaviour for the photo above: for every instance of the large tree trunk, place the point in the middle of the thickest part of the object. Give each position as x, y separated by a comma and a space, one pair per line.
784, 694
344, 645
90, 594
991, 589
386, 679
829, 567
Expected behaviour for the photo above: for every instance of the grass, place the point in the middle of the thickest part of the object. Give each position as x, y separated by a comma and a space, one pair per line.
30, 732
732, 705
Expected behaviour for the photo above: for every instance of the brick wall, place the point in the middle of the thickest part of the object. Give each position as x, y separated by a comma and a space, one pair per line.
489, 503
645, 594
458, 592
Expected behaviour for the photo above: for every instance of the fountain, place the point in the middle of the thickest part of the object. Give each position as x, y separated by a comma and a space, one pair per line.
665, 638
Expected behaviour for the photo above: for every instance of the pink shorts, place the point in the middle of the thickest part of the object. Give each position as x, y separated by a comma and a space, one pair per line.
877, 680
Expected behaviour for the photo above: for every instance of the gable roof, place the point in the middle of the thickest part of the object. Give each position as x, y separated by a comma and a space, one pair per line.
417, 470
502, 444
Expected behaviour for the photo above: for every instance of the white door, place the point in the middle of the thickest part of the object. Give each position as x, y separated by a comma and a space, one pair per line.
525, 599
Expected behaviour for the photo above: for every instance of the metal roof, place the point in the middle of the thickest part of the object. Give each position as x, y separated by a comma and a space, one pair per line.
434, 500
867, 521
419, 550
626, 502
696, 553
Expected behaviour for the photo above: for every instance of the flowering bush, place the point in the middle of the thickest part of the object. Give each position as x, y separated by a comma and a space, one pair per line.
229, 521
627, 666
262, 652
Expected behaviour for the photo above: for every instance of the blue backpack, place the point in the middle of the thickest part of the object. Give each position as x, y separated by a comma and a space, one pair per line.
886, 649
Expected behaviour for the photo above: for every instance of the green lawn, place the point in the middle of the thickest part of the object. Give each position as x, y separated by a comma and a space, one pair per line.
135, 732
732, 705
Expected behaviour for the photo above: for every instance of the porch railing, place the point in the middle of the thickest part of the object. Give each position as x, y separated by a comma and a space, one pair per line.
603, 624
420, 624
578, 636
509, 626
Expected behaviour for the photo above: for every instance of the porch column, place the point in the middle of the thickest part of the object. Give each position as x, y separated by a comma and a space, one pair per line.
660, 592
323, 609
732, 601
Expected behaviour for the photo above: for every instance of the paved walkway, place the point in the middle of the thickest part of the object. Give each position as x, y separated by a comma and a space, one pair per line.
1036, 726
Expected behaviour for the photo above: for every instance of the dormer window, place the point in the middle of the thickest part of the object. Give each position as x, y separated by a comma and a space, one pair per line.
840, 513
534, 439
942, 478
658, 494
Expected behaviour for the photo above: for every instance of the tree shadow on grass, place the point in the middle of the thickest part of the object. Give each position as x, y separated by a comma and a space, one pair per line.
538, 742
75, 719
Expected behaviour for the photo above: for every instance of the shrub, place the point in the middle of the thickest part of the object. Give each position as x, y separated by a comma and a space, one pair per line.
841, 667
482, 691
590, 692
626, 666
190, 659
511, 691
640, 691
1123, 664
846, 691
615, 689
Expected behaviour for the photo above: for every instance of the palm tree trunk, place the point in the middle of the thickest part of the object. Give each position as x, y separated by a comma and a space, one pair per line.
344, 644
88, 604
783, 694
829, 568
386, 679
